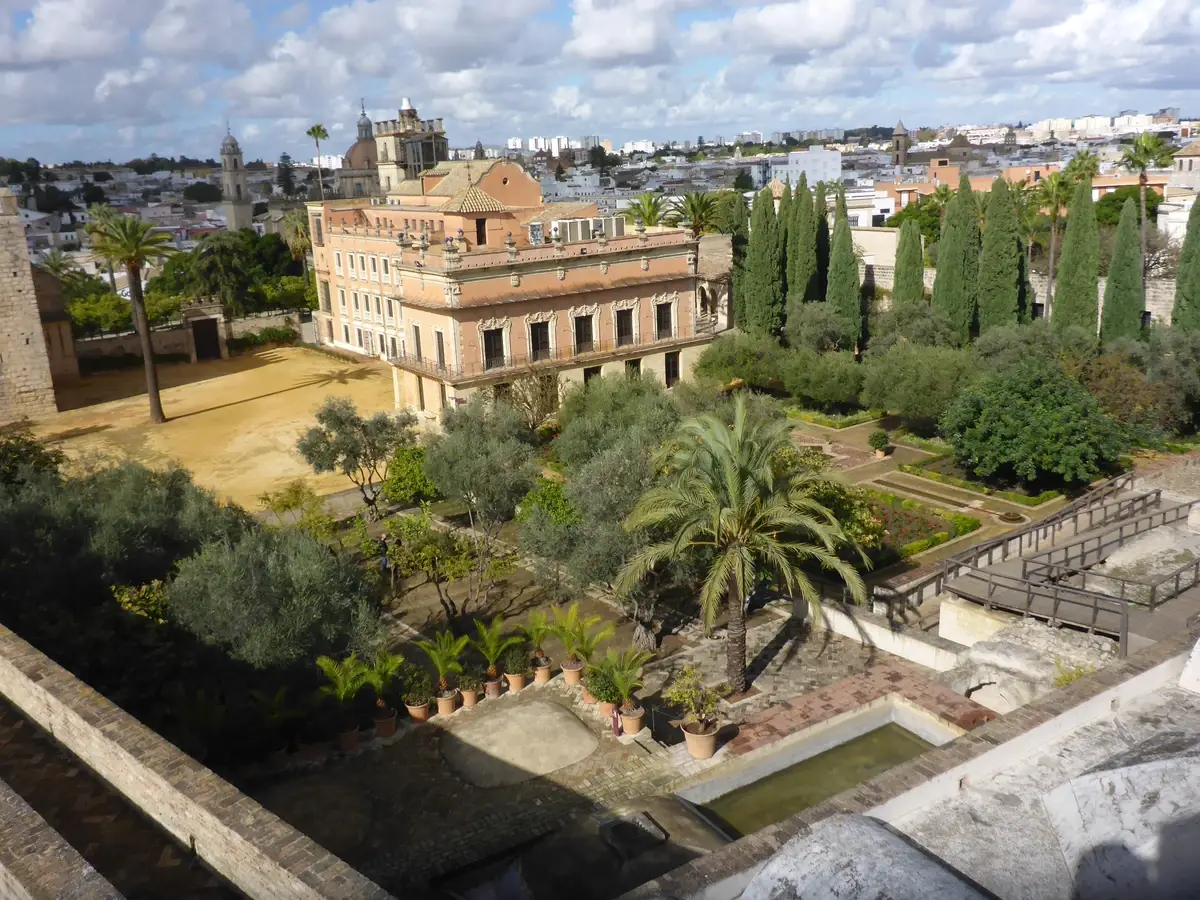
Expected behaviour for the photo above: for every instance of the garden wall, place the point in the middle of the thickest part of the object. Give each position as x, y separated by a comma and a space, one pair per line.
37, 864
1160, 292
253, 849
171, 340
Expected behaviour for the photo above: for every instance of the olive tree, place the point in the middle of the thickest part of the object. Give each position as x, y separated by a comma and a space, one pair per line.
360, 448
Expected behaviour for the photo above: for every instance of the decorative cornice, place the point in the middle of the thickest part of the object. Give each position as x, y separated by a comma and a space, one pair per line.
587, 309
497, 322
626, 303
540, 316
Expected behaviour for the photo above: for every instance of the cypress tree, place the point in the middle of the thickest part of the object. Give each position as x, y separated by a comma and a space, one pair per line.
840, 208
802, 247
821, 241
1076, 289
1122, 316
1186, 313
784, 220
763, 302
844, 295
908, 282
971, 247
1000, 263
949, 287
739, 231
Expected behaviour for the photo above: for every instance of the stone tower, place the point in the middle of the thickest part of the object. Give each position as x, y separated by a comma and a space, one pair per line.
899, 145
26, 387
239, 210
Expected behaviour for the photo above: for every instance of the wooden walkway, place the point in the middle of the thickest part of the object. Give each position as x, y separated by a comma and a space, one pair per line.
1026, 585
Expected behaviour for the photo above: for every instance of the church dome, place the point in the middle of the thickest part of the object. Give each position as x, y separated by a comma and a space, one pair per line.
230, 145
363, 155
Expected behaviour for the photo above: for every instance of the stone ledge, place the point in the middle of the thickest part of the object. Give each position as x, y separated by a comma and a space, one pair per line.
188, 800
37, 864
730, 860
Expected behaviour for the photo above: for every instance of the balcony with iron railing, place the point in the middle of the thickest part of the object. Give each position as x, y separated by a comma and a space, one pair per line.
583, 353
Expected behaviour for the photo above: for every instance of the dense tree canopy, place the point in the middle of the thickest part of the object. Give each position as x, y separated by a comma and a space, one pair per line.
1076, 290
1001, 281
908, 285
1034, 424
763, 296
844, 292
915, 382
1123, 296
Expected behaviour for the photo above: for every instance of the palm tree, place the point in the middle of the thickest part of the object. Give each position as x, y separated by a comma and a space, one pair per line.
295, 235
1084, 166
132, 244
492, 643
625, 672
649, 207
383, 672
536, 629
724, 499
1024, 200
58, 264
444, 652
699, 210
1148, 152
1053, 194
220, 268
579, 636
318, 134
346, 678
941, 197
98, 213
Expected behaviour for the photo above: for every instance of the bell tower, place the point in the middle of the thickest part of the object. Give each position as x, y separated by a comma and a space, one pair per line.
239, 210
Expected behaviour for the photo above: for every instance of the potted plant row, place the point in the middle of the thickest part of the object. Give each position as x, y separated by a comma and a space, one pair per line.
580, 637
536, 630
444, 652
614, 681
491, 643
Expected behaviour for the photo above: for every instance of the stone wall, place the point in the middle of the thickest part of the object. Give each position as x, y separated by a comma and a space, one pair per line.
253, 849
1160, 292
171, 340
37, 864
26, 385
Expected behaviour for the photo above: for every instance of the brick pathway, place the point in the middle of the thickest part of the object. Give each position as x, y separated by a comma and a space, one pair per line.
878, 681
138, 859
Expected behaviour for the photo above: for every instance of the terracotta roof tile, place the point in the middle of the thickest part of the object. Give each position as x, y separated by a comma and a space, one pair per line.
1192, 149
472, 200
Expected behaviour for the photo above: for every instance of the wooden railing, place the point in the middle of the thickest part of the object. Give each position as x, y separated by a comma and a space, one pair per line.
1070, 559
1020, 595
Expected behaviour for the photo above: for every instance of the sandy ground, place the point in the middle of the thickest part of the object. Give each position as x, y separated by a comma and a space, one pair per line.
234, 423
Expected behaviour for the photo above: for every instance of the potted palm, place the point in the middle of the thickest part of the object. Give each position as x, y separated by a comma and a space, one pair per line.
491, 643
536, 629
276, 714
625, 671
346, 679
601, 686
579, 638
444, 652
381, 675
418, 690
515, 664
469, 684
699, 703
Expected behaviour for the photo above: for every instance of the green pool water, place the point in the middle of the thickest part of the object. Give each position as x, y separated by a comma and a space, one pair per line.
788, 791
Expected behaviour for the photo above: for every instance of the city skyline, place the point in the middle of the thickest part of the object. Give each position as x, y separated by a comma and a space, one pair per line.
165, 77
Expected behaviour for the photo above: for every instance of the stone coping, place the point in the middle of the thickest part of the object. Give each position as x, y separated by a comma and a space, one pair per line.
879, 681
37, 864
755, 849
253, 849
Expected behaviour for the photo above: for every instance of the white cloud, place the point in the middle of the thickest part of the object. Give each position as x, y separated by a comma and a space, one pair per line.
212, 29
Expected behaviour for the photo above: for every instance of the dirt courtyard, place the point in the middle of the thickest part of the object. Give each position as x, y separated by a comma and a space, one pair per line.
234, 422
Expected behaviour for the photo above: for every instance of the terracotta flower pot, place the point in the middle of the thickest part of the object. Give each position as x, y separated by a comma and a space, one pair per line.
491, 689
572, 674
606, 709
587, 695
470, 698
348, 740
880, 454
310, 750
701, 745
447, 705
418, 713
385, 723
541, 674
515, 682
631, 722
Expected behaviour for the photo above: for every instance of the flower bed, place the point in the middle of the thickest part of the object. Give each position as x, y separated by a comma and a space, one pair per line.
834, 420
934, 469
911, 527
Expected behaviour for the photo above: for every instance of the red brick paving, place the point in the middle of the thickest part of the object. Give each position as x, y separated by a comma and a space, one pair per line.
878, 681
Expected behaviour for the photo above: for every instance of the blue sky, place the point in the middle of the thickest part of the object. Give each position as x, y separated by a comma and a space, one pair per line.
97, 79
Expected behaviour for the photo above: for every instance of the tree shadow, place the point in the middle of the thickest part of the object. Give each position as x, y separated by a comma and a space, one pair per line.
342, 377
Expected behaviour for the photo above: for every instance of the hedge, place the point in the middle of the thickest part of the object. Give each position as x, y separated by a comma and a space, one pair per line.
976, 487
115, 361
929, 445
813, 417
268, 335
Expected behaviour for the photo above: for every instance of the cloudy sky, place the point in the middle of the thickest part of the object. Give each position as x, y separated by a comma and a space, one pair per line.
93, 79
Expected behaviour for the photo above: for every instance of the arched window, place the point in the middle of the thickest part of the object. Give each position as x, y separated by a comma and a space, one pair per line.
237, 189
